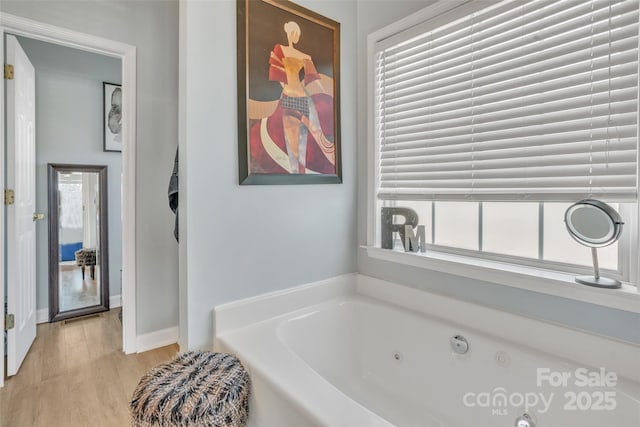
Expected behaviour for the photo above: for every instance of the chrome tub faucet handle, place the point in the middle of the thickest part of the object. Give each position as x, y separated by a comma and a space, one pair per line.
525, 420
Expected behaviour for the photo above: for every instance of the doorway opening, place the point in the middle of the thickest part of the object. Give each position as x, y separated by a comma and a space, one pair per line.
18, 26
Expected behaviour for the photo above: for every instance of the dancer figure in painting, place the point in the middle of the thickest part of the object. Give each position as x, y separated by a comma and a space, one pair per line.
298, 136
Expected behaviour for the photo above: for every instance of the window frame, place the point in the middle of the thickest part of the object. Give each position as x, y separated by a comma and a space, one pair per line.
622, 273
548, 277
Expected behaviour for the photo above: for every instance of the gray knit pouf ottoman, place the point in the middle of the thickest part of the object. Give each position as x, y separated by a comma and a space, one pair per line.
194, 389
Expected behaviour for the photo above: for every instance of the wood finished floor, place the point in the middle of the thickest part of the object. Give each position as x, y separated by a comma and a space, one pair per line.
76, 375
76, 292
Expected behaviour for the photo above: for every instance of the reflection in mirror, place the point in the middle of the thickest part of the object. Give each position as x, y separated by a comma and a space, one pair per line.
594, 224
78, 263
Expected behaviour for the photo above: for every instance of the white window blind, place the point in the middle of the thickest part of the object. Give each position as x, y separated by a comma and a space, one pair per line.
530, 100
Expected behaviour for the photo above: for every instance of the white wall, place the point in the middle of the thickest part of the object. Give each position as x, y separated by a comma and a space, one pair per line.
151, 26
69, 130
65, 235
247, 240
373, 15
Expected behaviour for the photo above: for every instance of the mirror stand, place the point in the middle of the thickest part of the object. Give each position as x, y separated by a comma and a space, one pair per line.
596, 280
594, 224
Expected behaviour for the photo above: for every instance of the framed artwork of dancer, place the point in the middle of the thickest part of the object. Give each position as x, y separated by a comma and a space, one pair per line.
112, 117
288, 94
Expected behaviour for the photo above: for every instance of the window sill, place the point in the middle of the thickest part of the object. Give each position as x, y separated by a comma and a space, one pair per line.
522, 277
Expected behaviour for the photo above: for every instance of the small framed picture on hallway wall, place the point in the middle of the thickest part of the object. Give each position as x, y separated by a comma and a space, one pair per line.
112, 117
288, 94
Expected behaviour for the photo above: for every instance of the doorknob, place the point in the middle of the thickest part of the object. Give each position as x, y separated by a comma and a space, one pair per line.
38, 216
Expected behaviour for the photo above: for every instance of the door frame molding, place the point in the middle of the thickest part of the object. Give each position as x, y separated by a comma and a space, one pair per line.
127, 54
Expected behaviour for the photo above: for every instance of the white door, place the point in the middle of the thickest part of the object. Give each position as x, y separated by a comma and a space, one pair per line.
21, 229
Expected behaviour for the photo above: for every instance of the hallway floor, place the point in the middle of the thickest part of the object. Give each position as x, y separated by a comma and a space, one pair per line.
76, 375
76, 292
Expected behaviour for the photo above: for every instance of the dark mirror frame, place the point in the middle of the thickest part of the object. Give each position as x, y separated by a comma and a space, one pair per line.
54, 246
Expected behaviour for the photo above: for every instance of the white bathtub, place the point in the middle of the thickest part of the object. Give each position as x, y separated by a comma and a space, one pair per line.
357, 351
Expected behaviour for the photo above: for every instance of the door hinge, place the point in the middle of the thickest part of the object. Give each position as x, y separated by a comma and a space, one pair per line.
9, 196
8, 71
9, 322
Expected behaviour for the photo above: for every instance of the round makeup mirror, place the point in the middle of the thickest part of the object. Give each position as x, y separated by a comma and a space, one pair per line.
594, 224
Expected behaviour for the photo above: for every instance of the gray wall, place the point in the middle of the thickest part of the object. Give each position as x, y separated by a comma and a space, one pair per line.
241, 241
65, 235
373, 15
69, 130
151, 26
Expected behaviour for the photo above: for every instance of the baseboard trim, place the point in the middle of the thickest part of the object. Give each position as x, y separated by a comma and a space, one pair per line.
115, 301
156, 339
42, 315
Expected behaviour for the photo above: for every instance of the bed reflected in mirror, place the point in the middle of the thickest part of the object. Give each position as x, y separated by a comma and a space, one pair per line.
78, 261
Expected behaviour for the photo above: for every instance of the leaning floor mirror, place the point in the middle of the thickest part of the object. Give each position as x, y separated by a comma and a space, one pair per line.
78, 243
